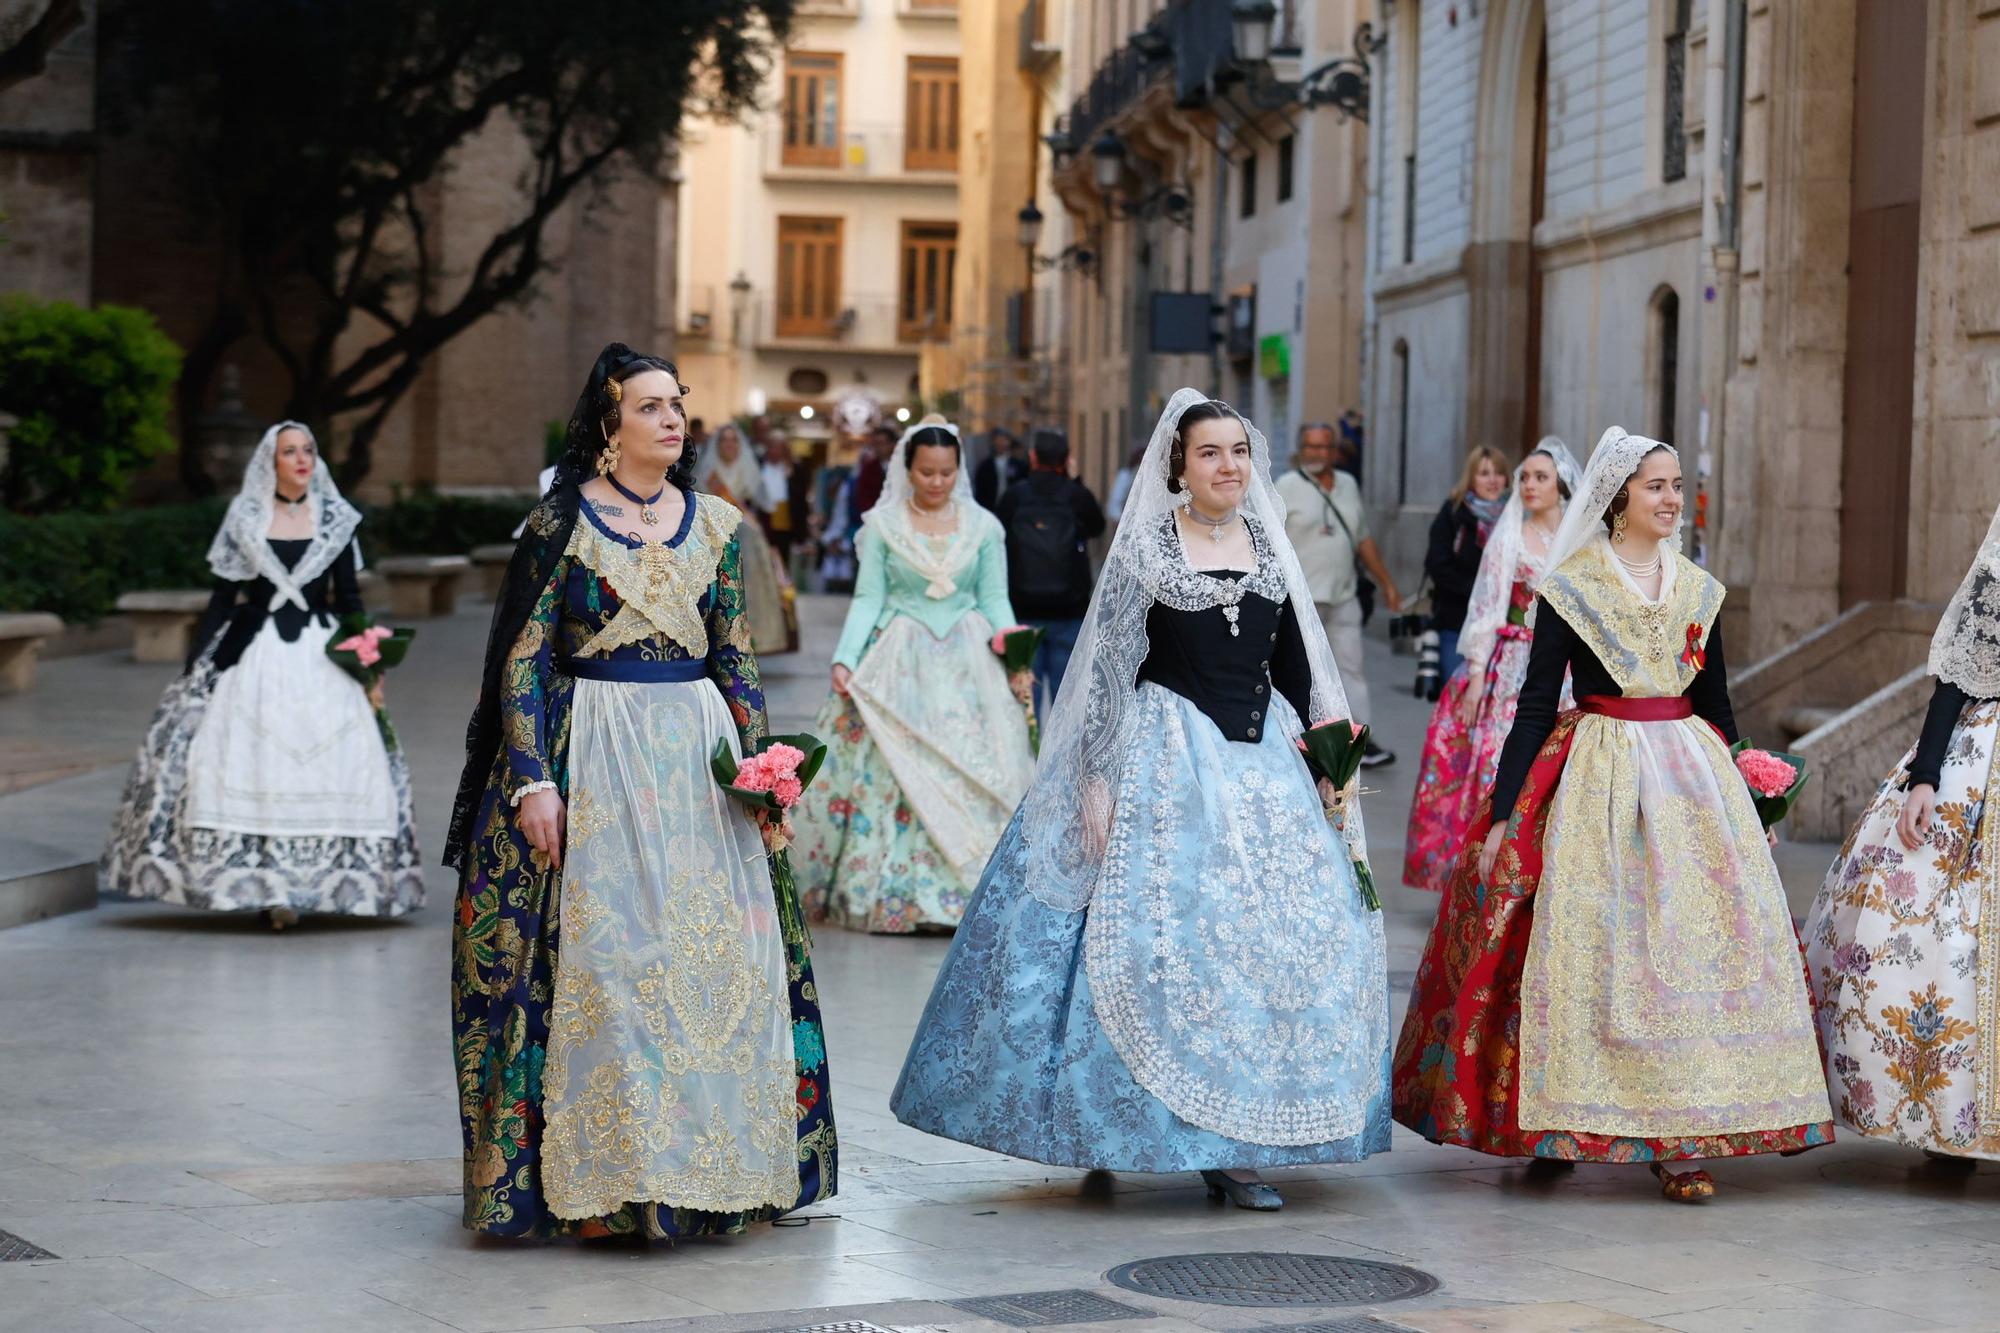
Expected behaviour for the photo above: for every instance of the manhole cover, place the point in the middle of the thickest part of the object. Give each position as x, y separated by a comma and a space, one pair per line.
1354, 1323
1033, 1309
845, 1326
13, 1247
1271, 1279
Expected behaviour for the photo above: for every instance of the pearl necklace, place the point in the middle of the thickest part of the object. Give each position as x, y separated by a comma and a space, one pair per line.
1642, 569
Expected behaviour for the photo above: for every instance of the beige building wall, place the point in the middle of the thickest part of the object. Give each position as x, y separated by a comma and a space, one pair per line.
736, 351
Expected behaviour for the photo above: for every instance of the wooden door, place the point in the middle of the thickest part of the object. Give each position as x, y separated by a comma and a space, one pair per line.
812, 109
930, 140
929, 254
808, 277
1879, 388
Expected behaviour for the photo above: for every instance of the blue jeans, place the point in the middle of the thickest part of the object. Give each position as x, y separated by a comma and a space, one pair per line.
1052, 659
1448, 658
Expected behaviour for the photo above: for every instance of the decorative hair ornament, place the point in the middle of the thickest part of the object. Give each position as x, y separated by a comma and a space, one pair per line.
614, 390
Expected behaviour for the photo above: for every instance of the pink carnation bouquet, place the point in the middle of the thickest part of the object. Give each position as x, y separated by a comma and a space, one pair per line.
1774, 779
365, 651
1333, 753
1015, 646
770, 780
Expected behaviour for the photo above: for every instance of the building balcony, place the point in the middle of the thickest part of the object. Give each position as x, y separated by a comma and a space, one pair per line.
858, 154
870, 325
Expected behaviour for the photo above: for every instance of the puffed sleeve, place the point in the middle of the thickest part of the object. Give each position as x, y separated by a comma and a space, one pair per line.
524, 691
732, 662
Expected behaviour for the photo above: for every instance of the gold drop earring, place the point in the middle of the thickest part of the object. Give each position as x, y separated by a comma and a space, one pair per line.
607, 458
1618, 526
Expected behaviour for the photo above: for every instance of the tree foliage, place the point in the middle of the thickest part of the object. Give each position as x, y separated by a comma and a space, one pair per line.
323, 129
93, 391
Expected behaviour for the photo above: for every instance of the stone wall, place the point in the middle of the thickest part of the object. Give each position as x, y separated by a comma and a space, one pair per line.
47, 126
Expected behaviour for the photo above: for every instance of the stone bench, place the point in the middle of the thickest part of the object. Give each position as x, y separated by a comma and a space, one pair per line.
21, 636
492, 562
423, 585
163, 622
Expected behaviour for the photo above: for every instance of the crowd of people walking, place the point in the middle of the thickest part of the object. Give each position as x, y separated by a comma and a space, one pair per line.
1166, 951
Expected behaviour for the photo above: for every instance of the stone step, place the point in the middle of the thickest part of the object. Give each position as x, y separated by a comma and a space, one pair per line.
1796, 721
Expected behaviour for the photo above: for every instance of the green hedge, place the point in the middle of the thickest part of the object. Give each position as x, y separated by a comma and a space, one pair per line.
93, 390
77, 565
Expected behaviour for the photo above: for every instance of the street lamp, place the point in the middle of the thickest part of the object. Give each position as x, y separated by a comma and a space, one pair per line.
1107, 161
739, 305
1030, 219
1250, 23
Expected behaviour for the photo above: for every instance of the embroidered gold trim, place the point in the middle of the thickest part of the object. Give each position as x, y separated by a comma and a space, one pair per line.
1639, 642
659, 586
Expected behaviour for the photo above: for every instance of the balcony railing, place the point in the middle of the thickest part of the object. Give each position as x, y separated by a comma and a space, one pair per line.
865, 323
865, 152
1036, 52
1201, 53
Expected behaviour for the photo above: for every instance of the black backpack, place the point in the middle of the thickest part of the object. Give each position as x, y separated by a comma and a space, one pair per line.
1046, 561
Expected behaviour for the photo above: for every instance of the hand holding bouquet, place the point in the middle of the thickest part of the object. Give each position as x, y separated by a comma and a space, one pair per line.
366, 651
771, 780
1333, 753
1774, 779
1015, 646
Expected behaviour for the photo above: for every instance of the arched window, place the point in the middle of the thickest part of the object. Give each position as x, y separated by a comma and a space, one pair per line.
1665, 362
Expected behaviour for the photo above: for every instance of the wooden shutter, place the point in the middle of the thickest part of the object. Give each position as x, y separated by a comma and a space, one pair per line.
808, 277
931, 114
930, 253
812, 109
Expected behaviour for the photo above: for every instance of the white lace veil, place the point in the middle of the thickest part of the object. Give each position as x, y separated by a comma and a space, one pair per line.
1612, 464
1089, 728
1493, 588
889, 518
242, 550
1965, 651
744, 477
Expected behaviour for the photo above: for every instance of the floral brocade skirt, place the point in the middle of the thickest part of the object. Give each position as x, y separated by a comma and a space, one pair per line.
1460, 761
1559, 1010
927, 756
1904, 949
1221, 1002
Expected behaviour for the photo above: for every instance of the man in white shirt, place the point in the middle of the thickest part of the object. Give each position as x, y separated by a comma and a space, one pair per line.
1328, 525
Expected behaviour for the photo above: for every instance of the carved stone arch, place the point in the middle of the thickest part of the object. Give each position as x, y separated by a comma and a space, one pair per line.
1504, 123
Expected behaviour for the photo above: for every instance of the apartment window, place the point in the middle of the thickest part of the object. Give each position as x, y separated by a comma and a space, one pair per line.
812, 109
1666, 362
1285, 146
931, 114
1400, 360
1247, 203
930, 252
1673, 141
1405, 51
808, 277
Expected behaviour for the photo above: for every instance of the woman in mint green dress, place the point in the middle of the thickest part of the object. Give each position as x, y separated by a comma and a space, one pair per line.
927, 743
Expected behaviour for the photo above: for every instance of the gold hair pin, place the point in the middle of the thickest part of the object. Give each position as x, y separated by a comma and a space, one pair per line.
614, 390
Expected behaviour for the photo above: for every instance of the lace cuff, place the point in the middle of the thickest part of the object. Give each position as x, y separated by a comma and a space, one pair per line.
529, 790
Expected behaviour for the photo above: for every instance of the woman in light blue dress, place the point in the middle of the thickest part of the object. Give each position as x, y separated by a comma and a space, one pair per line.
1169, 965
927, 744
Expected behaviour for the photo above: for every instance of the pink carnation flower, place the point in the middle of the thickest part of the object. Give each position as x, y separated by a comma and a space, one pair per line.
1000, 637
365, 645
1766, 774
776, 770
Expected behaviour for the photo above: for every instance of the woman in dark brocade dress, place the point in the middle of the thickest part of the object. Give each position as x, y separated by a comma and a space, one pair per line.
636, 1027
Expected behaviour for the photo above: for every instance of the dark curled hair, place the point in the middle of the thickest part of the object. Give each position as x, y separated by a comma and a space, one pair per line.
1208, 409
930, 437
597, 414
1620, 501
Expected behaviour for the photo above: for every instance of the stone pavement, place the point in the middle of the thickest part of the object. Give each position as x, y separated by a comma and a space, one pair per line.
213, 1128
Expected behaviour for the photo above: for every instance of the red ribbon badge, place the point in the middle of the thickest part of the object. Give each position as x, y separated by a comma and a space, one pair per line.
1694, 654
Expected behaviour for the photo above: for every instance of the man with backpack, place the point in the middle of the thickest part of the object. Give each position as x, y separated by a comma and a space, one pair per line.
1050, 518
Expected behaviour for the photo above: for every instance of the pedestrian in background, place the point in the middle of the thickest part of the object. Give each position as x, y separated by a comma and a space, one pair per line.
784, 493
1353, 438
1050, 519
1458, 539
1121, 485
1001, 468
1328, 527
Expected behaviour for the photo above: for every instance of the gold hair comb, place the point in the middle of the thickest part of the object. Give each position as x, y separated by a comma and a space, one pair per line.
614, 390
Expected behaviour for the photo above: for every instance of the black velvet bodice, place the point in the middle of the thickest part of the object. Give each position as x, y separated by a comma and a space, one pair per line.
239, 610
1230, 677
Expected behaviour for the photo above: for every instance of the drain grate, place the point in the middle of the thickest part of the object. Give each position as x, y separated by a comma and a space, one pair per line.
1034, 1309
13, 1247
1354, 1323
1267, 1279
844, 1326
